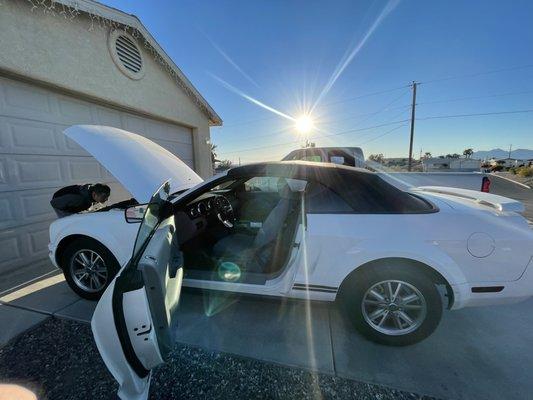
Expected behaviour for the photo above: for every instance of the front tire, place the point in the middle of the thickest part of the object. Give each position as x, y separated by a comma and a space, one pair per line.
396, 306
88, 267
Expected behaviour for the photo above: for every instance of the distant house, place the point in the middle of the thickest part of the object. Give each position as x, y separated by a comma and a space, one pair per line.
508, 162
451, 165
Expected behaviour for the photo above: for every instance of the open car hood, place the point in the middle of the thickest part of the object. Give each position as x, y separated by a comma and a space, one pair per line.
137, 163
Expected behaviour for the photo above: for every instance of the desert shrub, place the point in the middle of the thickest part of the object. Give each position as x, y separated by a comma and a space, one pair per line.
525, 172
497, 168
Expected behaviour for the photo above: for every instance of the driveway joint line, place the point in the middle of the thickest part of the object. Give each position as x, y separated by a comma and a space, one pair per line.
331, 341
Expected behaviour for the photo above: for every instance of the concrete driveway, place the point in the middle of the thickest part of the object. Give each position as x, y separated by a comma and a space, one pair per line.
475, 353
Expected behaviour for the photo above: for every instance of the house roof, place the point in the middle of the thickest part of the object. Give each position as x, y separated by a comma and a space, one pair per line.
132, 21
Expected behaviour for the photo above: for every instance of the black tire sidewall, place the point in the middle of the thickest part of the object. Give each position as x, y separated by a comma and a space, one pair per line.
353, 298
109, 260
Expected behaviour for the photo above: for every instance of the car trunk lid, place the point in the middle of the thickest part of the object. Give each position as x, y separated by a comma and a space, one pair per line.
499, 203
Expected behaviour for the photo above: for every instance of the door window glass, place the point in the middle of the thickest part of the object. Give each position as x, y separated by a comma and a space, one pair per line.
151, 217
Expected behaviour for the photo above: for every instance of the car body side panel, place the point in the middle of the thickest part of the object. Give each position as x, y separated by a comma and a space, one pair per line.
339, 243
336, 244
109, 228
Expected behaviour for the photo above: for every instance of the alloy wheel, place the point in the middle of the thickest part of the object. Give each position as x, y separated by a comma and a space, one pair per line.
394, 307
88, 270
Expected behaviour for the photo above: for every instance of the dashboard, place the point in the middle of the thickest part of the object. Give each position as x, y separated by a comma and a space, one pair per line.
204, 206
201, 208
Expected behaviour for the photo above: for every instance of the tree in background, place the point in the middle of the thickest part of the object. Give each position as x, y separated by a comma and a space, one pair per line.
454, 155
224, 165
468, 153
213, 154
377, 158
427, 155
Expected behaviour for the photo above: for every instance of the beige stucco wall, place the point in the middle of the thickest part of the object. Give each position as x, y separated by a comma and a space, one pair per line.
67, 55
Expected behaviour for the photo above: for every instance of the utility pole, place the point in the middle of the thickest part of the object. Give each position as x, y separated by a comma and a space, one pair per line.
510, 147
413, 107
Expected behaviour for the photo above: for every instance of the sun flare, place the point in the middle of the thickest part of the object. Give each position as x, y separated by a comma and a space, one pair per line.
304, 124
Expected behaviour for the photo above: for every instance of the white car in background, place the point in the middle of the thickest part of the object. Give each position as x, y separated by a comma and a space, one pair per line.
295, 229
349, 156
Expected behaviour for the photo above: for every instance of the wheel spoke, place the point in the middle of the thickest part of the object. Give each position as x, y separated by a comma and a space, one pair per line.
373, 302
377, 313
384, 317
101, 274
409, 299
77, 259
396, 292
405, 317
83, 275
389, 290
86, 261
397, 321
377, 295
411, 307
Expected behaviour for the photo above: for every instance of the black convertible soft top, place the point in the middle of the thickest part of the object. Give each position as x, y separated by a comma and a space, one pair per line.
363, 190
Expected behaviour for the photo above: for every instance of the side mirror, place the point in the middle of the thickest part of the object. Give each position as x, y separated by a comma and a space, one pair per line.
135, 213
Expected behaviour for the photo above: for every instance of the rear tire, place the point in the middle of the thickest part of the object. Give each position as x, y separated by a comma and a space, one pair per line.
370, 303
88, 267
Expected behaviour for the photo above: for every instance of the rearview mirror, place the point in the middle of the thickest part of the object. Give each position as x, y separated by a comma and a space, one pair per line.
135, 214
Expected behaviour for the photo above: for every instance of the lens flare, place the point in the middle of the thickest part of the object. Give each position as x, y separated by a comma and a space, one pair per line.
229, 272
304, 124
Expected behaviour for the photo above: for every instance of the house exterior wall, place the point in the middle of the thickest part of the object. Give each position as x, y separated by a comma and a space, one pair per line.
67, 55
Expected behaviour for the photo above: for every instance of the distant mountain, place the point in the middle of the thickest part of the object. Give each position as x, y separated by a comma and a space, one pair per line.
521, 154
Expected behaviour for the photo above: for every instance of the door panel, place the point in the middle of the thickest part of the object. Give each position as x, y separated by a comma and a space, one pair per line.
134, 322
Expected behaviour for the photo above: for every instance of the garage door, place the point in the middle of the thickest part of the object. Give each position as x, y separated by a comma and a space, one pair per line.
36, 159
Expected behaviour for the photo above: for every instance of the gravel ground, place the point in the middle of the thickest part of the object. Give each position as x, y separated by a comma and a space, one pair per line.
59, 360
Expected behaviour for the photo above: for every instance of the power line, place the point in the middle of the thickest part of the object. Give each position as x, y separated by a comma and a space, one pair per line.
475, 97
474, 114
384, 134
475, 74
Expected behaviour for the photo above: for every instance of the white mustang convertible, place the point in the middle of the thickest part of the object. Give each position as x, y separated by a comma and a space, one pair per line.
289, 229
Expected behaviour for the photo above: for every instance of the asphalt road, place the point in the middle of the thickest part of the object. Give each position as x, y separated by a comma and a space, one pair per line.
514, 191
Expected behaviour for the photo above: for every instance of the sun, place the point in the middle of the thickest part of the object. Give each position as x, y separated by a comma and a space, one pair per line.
304, 124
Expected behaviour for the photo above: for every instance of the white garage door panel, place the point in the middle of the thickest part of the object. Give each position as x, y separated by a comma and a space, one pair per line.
23, 246
36, 159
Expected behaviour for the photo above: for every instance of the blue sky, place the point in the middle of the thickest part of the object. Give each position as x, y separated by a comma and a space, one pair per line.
283, 53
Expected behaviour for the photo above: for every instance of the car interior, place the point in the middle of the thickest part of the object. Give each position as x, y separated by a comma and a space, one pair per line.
241, 230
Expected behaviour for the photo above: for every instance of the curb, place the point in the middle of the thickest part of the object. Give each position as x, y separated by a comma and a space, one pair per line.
510, 180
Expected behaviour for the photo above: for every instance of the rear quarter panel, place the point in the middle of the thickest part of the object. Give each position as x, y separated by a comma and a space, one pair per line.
337, 244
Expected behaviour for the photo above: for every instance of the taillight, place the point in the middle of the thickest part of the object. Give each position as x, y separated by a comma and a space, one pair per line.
485, 184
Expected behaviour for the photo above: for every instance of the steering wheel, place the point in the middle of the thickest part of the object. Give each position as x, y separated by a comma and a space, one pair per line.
224, 211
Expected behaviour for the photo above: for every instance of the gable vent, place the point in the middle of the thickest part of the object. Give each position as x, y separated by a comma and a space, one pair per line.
129, 54
126, 54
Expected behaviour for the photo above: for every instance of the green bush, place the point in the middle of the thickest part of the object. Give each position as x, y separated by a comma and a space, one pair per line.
513, 170
497, 168
525, 172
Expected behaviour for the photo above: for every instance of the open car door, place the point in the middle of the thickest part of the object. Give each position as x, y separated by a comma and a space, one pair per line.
134, 324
